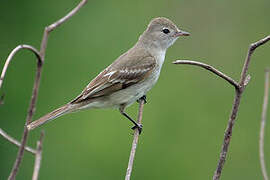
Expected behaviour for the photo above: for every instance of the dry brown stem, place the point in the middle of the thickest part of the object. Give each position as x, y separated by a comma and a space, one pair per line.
135, 141
14, 141
40, 60
38, 157
209, 68
263, 121
239, 89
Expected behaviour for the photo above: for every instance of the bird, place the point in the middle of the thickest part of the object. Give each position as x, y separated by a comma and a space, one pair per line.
128, 78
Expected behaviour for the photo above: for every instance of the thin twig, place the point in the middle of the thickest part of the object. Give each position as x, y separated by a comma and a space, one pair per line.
53, 26
30, 114
263, 121
243, 82
252, 48
14, 141
211, 69
135, 141
38, 157
239, 88
11, 55
40, 56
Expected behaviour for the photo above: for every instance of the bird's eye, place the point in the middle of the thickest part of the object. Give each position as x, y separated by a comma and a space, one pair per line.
166, 31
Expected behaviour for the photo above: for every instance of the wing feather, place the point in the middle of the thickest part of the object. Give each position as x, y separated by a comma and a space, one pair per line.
117, 77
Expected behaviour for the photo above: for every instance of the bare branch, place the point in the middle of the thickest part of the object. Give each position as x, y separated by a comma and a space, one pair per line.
11, 55
53, 26
251, 49
14, 141
263, 121
209, 68
135, 141
30, 114
237, 98
239, 87
40, 56
227, 136
38, 157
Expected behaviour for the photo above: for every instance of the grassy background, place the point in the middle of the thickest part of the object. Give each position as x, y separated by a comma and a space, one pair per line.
183, 124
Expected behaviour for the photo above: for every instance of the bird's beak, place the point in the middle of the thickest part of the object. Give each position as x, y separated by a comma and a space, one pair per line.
181, 33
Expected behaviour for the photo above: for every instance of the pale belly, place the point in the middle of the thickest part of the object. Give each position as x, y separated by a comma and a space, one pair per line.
131, 94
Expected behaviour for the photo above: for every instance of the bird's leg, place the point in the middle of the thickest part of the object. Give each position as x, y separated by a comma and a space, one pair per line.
143, 98
137, 126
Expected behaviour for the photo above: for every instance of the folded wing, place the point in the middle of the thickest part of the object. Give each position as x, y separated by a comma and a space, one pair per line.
120, 75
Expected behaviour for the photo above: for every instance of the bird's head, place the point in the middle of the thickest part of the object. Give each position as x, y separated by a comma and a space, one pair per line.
162, 32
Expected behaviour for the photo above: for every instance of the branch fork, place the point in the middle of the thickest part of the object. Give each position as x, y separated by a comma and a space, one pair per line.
40, 56
240, 87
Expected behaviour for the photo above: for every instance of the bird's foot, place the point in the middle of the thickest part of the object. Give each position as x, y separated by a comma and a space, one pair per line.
139, 127
142, 98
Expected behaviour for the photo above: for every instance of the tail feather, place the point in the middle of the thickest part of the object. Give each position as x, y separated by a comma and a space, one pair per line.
50, 116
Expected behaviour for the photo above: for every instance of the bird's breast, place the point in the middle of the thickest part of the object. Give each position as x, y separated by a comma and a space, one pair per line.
160, 57
134, 92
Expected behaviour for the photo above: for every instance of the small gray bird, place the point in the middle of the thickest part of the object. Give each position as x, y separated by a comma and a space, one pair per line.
129, 77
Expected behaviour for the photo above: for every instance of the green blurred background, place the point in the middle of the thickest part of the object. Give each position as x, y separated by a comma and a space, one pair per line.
187, 111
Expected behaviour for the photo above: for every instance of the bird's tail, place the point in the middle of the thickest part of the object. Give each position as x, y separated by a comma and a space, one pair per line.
50, 116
